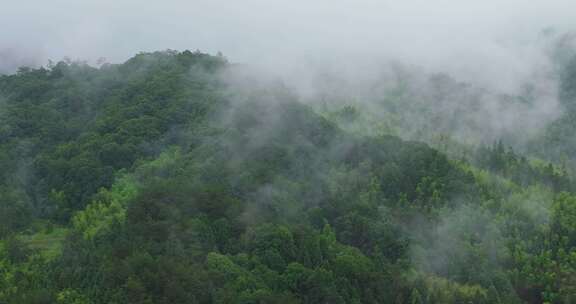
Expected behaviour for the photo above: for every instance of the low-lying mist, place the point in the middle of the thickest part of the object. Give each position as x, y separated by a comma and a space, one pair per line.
512, 95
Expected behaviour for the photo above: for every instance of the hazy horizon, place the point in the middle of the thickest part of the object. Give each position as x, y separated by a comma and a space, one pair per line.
448, 31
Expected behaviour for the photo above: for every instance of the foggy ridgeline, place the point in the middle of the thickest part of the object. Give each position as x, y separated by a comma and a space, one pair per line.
179, 177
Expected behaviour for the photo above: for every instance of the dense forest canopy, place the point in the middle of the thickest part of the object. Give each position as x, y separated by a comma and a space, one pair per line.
176, 178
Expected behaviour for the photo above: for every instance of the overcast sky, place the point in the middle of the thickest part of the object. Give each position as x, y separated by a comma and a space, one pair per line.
463, 33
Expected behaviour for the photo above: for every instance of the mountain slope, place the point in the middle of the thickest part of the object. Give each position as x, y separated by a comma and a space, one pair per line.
159, 181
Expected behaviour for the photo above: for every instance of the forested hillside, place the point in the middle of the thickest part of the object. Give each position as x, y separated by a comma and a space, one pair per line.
163, 180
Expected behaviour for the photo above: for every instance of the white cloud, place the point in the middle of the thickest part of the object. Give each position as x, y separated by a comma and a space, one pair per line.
444, 34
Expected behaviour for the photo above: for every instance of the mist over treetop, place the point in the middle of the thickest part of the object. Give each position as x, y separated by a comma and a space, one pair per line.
473, 37
327, 152
209, 181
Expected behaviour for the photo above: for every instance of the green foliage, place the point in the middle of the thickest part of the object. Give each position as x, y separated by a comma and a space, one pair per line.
48, 242
106, 210
155, 181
